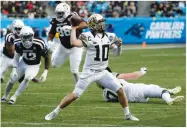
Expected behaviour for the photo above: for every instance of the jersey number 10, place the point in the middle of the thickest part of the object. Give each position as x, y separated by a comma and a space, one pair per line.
102, 53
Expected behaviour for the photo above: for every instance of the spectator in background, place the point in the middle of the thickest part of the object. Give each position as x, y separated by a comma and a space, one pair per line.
83, 12
31, 15
36, 32
44, 31
110, 28
131, 10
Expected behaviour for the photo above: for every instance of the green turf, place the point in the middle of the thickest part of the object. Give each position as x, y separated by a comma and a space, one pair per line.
166, 67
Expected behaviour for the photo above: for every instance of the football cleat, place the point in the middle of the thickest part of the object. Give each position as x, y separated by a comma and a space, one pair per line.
175, 90
12, 100
175, 100
131, 117
3, 99
51, 116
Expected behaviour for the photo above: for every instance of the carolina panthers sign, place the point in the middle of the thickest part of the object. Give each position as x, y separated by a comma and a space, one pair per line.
161, 30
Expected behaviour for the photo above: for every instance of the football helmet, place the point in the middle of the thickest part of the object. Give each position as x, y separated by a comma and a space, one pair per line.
17, 26
96, 22
62, 10
27, 35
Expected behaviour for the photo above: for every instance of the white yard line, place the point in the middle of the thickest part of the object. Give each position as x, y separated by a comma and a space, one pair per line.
150, 55
63, 124
98, 107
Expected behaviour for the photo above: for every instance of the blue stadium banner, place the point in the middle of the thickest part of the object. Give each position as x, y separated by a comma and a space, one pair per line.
133, 30
152, 31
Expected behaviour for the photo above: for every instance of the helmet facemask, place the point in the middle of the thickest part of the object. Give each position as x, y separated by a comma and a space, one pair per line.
100, 27
27, 40
60, 16
96, 23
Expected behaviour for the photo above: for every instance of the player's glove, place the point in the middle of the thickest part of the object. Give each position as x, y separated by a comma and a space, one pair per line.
14, 73
43, 76
51, 46
143, 70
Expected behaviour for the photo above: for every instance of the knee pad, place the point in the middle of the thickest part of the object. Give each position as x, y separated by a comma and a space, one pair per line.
54, 65
12, 80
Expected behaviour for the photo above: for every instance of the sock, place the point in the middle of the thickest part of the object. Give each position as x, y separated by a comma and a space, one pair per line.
8, 88
57, 109
126, 110
22, 86
166, 96
76, 77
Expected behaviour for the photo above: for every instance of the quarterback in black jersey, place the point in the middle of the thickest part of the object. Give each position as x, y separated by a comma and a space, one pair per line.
31, 50
6, 59
62, 25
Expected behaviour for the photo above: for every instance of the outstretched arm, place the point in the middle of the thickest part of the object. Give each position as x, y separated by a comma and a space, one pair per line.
133, 75
74, 41
116, 48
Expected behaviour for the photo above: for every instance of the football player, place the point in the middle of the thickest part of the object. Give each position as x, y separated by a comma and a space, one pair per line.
62, 25
6, 60
31, 50
140, 92
97, 44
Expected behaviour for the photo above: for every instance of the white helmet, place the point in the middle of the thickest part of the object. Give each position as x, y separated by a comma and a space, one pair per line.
96, 22
17, 26
27, 35
62, 11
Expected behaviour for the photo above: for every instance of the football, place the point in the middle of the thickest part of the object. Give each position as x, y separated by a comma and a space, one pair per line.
75, 20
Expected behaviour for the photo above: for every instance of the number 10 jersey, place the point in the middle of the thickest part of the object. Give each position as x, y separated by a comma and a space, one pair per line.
97, 47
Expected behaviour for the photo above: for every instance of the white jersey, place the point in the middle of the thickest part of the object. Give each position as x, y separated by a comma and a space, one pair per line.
97, 47
135, 92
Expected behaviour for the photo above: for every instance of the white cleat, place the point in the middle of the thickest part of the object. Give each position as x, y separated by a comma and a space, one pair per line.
51, 116
175, 90
175, 100
12, 100
131, 117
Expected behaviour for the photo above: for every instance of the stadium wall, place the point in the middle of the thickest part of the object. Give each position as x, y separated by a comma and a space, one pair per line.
132, 30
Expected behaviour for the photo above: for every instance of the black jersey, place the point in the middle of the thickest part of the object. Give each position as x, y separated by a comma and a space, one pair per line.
32, 55
64, 30
9, 39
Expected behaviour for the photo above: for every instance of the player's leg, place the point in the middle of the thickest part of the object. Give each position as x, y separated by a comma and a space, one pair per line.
3, 75
30, 72
75, 60
80, 87
59, 56
110, 82
5, 63
20, 71
155, 91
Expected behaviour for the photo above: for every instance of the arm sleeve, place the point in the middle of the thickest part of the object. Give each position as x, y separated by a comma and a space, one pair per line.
9, 39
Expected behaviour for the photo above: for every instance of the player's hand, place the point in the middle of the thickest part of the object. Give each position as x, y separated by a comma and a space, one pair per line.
51, 46
14, 73
119, 40
143, 70
43, 76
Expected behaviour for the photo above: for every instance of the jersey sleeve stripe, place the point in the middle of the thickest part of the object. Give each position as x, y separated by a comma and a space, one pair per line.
40, 41
17, 41
9, 36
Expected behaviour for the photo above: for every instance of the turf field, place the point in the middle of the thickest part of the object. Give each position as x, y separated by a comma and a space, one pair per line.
166, 67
